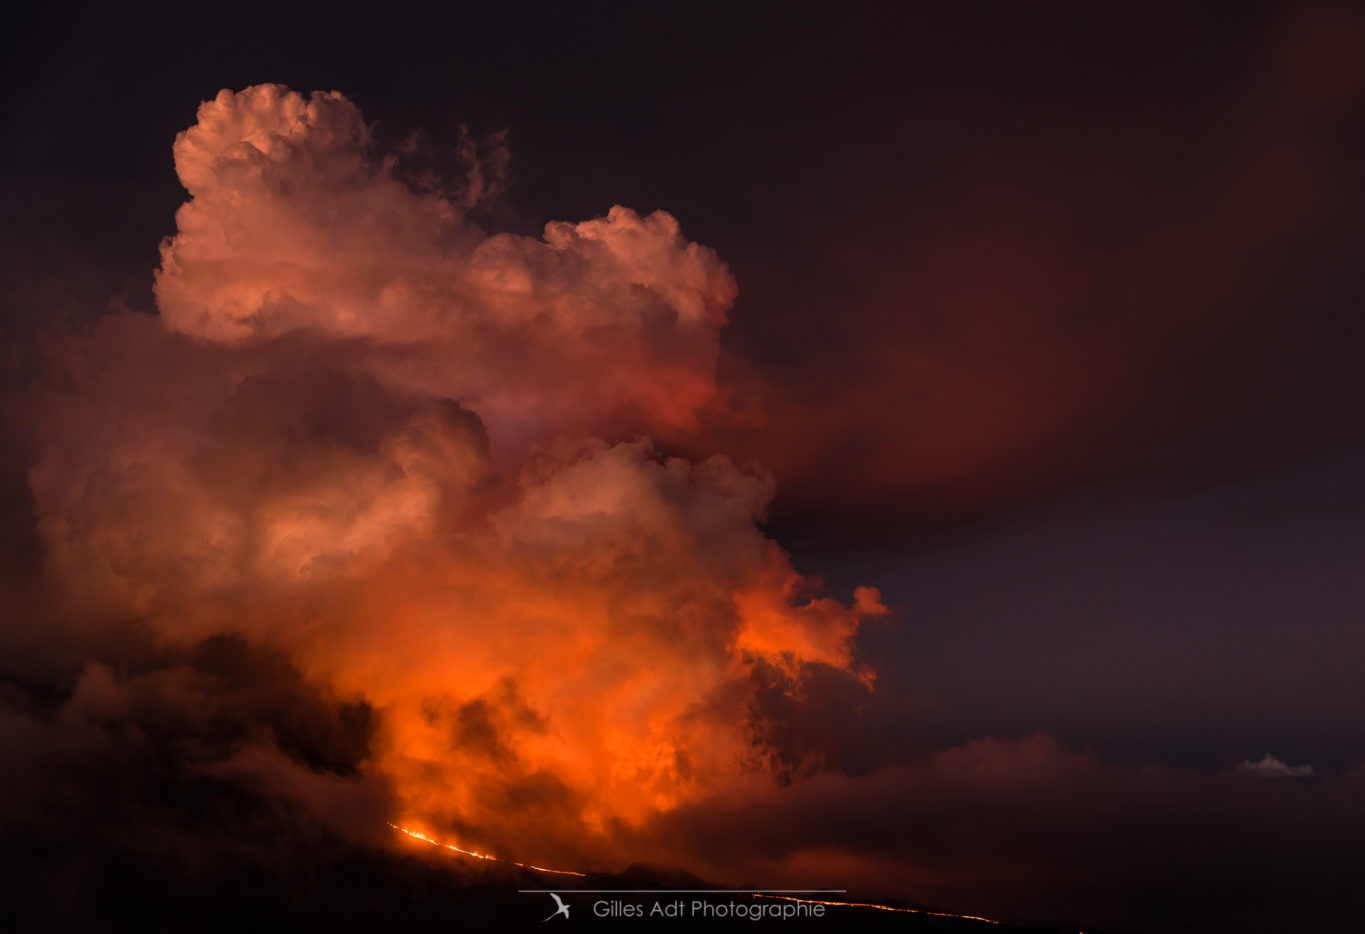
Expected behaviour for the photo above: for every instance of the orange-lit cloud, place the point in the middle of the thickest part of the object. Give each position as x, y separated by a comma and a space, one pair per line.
295, 223
414, 457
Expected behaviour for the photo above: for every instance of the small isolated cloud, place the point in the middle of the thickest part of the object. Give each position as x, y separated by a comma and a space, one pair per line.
1269, 766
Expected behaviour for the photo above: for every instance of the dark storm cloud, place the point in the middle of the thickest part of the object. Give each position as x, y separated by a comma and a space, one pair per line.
1038, 252
129, 790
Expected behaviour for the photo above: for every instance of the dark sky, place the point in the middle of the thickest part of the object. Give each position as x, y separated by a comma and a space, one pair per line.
1049, 318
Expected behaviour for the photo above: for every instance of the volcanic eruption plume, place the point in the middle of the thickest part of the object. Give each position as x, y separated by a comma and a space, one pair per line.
413, 457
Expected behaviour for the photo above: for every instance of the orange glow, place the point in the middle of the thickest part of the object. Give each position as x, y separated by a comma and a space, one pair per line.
415, 457
417, 835
511, 862
909, 911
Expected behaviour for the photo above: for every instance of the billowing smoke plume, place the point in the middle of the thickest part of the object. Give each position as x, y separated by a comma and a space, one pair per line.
366, 525
413, 457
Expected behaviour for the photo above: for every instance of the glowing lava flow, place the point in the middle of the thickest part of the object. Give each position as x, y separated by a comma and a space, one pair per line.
417, 835
909, 911
497, 859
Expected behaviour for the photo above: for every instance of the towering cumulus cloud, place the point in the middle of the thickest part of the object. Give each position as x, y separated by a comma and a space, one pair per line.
413, 457
295, 225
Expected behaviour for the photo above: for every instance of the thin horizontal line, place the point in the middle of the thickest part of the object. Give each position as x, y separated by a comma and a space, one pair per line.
570, 889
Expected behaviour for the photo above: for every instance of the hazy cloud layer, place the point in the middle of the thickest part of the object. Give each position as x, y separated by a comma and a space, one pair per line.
1030, 830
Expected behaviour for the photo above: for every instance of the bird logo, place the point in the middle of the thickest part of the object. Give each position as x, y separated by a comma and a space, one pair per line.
563, 909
